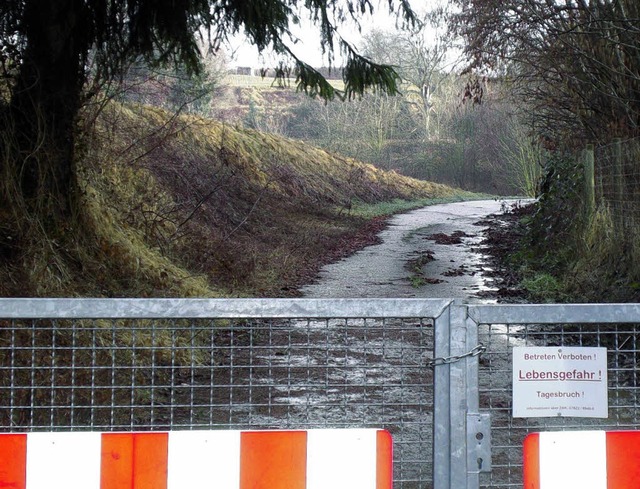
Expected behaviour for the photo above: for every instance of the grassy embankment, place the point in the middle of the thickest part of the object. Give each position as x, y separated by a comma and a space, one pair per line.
185, 206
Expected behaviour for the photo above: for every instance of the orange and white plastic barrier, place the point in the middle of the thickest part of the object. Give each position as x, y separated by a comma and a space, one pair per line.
582, 459
312, 459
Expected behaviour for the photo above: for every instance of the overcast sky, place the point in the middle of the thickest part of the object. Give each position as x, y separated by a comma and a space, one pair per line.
242, 53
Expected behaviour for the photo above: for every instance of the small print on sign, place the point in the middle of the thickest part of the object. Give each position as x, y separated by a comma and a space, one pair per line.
560, 381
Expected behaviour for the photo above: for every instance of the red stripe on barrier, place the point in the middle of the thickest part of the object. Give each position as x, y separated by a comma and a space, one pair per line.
532, 461
623, 459
384, 460
134, 461
13, 461
273, 460
268, 460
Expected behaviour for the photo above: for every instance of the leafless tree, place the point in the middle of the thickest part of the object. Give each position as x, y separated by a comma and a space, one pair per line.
576, 62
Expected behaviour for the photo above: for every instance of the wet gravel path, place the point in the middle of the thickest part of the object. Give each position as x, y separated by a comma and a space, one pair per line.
430, 252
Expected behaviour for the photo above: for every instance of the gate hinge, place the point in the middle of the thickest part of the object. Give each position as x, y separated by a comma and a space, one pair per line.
478, 442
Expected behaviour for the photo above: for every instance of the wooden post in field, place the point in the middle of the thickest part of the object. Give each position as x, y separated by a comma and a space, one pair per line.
618, 184
589, 182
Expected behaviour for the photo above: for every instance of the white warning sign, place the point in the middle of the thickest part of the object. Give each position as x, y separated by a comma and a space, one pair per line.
560, 381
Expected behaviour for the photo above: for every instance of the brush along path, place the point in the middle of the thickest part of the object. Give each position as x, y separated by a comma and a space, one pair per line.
429, 252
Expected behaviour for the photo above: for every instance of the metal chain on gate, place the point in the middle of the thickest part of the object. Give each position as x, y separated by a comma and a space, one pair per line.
476, 351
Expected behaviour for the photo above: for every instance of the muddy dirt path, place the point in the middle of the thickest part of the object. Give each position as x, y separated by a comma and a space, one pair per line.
430, 252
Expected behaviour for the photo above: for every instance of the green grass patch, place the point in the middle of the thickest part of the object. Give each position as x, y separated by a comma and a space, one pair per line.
395, 206
544, 287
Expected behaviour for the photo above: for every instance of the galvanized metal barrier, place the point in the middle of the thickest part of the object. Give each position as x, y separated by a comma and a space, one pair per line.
167, 364
479, 340
436, 374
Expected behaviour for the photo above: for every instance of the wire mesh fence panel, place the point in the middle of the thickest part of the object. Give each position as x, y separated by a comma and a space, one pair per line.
615, 229
495, 383
618, 180
167, 374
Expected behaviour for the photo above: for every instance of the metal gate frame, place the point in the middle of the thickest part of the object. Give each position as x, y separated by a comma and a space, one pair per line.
462, 434
26, 314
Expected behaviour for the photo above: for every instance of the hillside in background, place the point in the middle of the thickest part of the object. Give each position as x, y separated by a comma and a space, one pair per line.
186, 206
440, 136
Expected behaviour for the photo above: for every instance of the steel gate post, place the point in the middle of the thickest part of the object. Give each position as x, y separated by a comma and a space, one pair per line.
458, 394
461, 448
441, 403
478, 425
